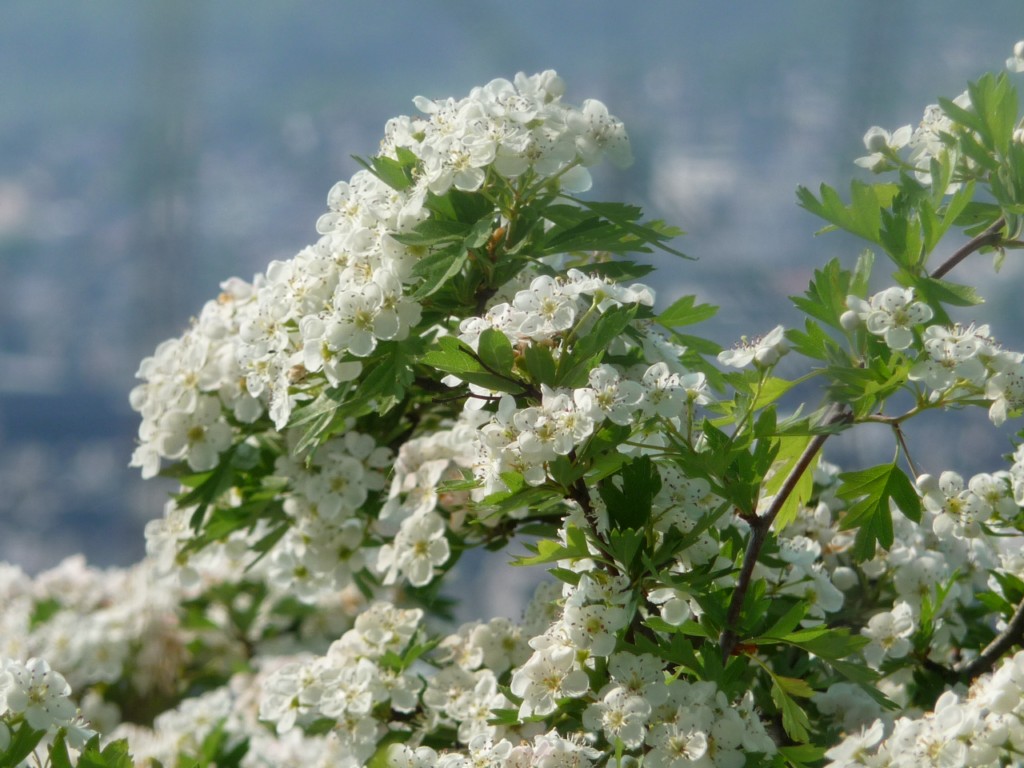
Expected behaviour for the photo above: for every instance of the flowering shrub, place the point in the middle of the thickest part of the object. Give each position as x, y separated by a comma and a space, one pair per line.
465, 358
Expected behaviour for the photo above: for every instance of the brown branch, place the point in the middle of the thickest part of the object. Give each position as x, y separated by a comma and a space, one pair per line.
991, 236
760, 525
1011, 636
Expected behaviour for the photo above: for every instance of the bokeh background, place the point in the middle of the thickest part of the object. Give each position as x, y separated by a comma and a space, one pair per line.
149, 150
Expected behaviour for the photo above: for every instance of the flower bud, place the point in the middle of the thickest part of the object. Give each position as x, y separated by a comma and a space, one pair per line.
927, 484
849, 320
844, 578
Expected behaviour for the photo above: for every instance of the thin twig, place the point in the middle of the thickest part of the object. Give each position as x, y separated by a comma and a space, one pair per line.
1009, 637
990, 236
760, 525
902, 440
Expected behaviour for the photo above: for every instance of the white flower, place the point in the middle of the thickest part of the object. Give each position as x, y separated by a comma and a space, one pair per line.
1016, 62
677, 744
404, 756
549, 675
891, 313
763, 351
882, 145
199, 437
889, 632
955, 355
619, 715
600, 133
665, 393
610, 396
552, 429
38, 693
419, 547
958, 511
854, 748
1006, 391
546, 309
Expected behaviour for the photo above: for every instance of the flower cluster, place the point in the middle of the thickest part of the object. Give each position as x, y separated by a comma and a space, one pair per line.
464, 358
955, 362
979, 727
923, 143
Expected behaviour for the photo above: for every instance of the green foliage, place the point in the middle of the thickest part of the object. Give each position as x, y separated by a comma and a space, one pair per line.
870, 492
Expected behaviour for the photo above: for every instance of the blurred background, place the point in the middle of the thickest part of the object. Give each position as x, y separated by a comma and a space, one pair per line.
149, 150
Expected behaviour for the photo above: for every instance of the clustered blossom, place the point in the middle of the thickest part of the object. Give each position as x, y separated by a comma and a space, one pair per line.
252, 351
261, 350
967, 362
353, 524
98, 627
938, 566
958, 362
979, 727
649, 712
923, 143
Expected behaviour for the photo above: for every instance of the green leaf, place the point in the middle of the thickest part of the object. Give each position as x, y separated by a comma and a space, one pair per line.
803, 755
397, 174
540, 364
433, 231
935, 229
437, 268
451, 355
901, 238
790, 450
794, 719
114, 755
480, 232
870, 490
629, 506
59, 757
686, 311
213, 485
23, 741
387, 375
548, 551
795, 686
960, 115
495, 351
788, 621
44, 610
829, 644
587, 351
936, 291
636, 236
825, 297
863, 217
813, 342
625, 546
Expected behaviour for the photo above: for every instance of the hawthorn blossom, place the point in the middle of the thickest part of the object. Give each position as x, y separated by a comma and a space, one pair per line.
892, 314
958, 510
37, 692
610, 396
1016, 62
889, 632
619, 715
550, 674
763, 351
882, 145
419, 548
1005, 388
